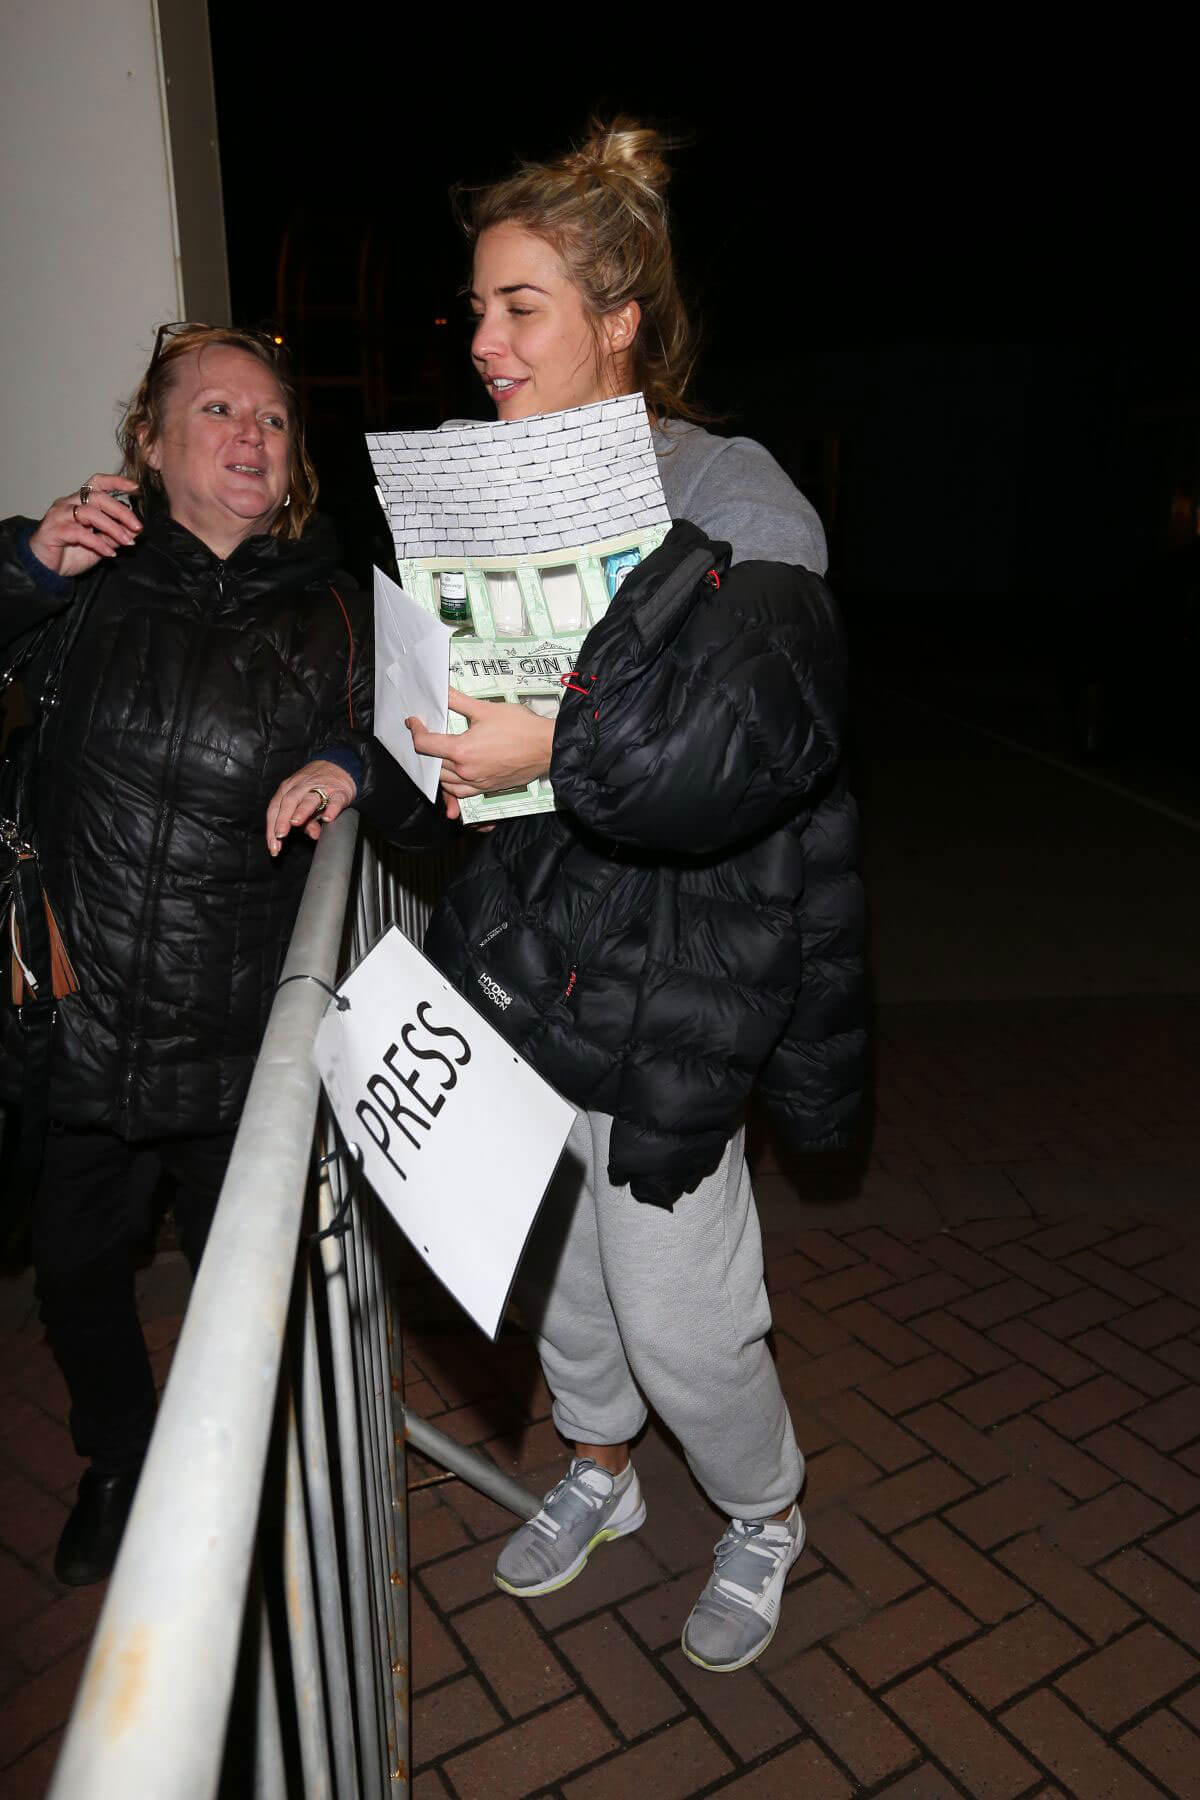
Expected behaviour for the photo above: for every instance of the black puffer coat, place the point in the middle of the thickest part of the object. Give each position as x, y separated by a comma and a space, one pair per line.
192, 688
689, 922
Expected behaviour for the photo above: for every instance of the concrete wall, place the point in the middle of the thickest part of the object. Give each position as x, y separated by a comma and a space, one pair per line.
93, 100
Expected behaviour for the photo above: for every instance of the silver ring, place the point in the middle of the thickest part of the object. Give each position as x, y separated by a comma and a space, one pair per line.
85, 493
323, 797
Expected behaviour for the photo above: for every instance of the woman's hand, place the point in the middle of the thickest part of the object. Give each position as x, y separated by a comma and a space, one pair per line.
297, 801
76, 533
504, 746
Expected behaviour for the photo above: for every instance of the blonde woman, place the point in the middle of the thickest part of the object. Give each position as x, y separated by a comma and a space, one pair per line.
687, 925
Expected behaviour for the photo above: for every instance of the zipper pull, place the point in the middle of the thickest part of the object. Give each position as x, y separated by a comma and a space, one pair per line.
570, 987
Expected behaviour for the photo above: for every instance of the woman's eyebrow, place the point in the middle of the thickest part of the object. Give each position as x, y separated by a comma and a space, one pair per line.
227, 394
515, 287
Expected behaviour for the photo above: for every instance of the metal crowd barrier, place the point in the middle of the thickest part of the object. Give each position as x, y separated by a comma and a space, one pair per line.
254, 1637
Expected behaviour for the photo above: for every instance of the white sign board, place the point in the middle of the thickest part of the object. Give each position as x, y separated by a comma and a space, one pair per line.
459, 1137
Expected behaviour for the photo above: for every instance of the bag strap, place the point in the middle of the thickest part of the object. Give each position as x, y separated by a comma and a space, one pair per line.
29, 914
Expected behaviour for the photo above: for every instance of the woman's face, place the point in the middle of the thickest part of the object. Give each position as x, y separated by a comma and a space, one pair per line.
534, 344
224, 450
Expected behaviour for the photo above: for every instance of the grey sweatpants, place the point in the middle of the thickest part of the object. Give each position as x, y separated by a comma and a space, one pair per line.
628, 1300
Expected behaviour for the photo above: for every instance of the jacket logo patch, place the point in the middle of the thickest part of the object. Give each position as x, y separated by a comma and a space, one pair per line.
495, 992
493, 933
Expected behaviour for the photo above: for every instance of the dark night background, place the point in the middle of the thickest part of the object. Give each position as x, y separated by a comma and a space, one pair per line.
953, 293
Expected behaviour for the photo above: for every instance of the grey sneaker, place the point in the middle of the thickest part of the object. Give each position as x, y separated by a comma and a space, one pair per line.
735, 1617
583, 1510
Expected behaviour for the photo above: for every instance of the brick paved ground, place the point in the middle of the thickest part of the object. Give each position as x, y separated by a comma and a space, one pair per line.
990, 1339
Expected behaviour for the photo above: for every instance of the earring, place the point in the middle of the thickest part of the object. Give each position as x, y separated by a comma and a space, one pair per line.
287, 500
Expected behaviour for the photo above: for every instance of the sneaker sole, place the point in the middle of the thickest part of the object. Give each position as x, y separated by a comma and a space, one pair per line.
753, 1655
609, 1533
733, 1667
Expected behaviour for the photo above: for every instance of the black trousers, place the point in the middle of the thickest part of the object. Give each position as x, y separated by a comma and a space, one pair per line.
91, 1216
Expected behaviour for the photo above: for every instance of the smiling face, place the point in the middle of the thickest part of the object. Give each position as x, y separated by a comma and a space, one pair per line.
535, 345
224, 450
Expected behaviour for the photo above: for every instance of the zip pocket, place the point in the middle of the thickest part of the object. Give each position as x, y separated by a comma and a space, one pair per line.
610, 887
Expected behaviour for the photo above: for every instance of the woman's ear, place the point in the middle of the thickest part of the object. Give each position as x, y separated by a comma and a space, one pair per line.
151, 452
621, 327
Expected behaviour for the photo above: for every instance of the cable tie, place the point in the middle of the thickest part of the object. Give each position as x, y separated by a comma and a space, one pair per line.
339, 1000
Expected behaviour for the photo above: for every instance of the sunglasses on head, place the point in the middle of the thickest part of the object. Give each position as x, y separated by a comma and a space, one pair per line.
270, 339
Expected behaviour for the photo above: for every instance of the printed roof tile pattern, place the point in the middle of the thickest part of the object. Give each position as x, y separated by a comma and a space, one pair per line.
520, 487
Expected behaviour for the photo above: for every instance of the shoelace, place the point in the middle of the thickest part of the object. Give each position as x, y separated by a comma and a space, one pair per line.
741, 1535
550, 1527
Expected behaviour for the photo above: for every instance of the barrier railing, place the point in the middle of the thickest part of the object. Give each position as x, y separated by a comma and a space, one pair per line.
254, 1637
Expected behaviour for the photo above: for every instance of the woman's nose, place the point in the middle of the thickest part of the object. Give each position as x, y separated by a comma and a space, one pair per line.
487, 342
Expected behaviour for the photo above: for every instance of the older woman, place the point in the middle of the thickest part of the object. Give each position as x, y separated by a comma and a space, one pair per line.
205, 648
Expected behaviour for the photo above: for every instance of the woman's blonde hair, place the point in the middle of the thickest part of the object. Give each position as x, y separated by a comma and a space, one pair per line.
142, 424
603, 210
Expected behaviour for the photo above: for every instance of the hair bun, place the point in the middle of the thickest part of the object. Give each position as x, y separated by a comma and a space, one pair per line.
625, 148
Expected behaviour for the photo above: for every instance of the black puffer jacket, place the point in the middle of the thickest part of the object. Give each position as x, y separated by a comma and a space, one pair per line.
689, 922
192, 688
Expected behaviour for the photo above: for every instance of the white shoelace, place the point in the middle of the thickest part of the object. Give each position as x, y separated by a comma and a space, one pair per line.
551, 1527
748, 1537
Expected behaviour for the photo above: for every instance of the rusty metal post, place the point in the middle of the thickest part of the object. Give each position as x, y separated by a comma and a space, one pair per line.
300, 1601
327, 1555
334, 1262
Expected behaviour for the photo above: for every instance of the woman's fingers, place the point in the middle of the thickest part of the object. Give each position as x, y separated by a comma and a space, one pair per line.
432, 743
106, 511
314, 796
295, 804
118, 484
84, 526
502, 747
468, 707
108, 520
454, 811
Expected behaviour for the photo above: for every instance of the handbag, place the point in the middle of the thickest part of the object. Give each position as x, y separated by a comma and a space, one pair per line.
41, 972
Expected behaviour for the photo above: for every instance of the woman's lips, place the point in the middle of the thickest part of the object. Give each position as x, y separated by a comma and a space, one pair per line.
500, 394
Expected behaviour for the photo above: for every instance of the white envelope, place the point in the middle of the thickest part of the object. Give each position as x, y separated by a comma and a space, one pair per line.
412, 678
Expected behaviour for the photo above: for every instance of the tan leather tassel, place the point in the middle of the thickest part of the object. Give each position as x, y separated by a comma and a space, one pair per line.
63, 979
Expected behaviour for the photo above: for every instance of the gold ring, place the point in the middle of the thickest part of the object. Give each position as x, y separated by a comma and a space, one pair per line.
323, 797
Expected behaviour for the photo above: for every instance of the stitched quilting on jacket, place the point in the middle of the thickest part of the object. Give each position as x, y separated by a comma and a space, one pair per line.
689, 922
192, 688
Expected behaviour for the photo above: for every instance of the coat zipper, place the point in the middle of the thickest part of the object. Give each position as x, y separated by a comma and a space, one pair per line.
154, 865
609, 887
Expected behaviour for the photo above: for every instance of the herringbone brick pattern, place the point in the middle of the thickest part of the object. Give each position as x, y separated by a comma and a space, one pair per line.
992, 1350
997, 1599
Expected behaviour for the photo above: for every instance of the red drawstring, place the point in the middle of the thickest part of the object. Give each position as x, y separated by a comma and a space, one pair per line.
567, 681
713, 579
350, 661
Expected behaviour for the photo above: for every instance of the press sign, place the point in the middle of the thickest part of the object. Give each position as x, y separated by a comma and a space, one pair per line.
459, 1137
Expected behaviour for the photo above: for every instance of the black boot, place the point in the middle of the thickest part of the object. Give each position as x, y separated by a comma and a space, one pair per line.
92, 1535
